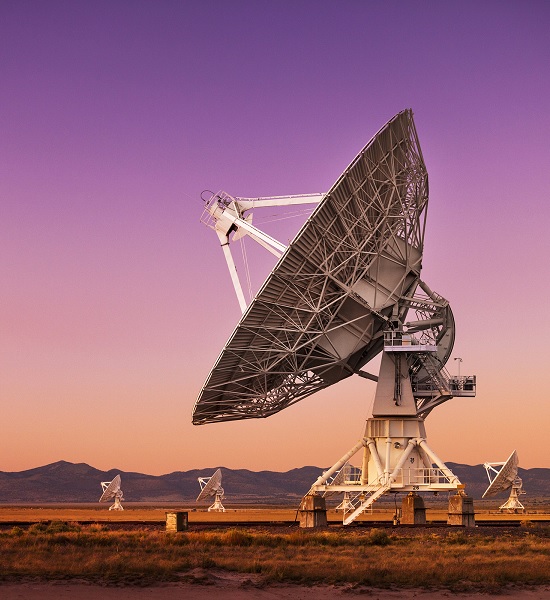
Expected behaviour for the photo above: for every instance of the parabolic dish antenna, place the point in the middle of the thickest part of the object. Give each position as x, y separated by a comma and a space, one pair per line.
504, 476
345, 289
111, 489
353, 268
212, 487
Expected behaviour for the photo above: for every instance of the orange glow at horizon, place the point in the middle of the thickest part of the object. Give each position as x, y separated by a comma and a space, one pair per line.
116, 299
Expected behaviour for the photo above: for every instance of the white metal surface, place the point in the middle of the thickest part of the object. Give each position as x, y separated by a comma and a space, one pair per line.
396, 458
212, 487
354, 265
346, 288
504, 476
513, 504
111, 490
501, 479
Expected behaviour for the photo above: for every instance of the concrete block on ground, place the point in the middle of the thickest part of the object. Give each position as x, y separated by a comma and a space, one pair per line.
177, 521
313, 512
461, 510
413, 511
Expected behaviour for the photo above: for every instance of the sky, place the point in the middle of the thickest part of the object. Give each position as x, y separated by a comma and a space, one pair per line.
115, 298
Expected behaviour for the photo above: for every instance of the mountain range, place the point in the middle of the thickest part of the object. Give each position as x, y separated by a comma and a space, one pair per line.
69, 482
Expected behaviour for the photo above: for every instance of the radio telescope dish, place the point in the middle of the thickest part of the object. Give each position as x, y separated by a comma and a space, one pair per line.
353, 267
345, 289
111, 489
505, 478
212, 487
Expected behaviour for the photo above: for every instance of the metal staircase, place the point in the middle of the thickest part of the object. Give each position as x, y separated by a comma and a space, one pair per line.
371, 496
433, 391
440, 385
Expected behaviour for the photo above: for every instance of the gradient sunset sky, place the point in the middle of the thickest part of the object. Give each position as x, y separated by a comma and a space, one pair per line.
116, 300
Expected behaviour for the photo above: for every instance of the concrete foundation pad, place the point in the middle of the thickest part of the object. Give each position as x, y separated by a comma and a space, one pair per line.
461, 510
413, 511
313, 512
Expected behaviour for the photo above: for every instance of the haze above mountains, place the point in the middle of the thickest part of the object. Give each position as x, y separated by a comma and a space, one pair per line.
68, 482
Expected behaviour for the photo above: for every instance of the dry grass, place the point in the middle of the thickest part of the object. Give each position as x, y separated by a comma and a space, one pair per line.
458, 560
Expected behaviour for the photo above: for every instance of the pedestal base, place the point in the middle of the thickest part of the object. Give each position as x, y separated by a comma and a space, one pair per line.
461, 511
312, 512
413, 511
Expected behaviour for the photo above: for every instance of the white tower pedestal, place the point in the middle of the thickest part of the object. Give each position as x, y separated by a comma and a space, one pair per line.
217, 506
396, 456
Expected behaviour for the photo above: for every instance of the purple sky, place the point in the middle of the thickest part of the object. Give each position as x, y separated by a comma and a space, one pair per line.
116, 299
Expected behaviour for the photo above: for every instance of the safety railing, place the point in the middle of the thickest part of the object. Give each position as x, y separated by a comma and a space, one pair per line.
399, 341
422, 477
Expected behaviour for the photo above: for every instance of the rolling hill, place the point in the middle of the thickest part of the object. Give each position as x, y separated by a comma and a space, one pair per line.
69, 482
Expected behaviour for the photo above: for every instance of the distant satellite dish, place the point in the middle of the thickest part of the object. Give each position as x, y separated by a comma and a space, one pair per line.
111, 489
504, 478
212, 487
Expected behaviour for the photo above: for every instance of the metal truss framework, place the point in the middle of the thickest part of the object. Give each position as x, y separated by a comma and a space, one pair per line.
396, 458
352, 268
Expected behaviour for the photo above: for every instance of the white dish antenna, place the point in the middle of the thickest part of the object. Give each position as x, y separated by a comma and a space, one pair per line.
351, 273
212, 487
504, 476
345, 289
111, 489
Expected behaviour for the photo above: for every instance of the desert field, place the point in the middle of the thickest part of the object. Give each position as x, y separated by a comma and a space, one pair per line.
140, 513
89, 552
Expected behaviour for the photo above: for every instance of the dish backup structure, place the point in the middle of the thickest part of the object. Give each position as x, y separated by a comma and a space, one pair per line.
346, 289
